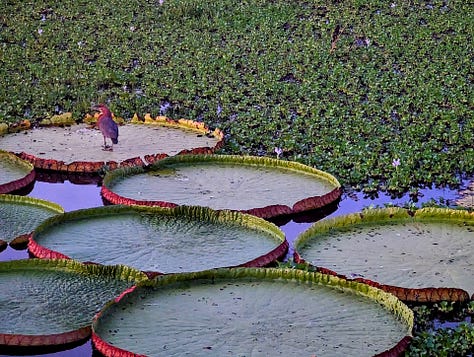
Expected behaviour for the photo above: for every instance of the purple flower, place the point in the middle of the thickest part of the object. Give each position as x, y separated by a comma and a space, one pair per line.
396, 163
164, 107
278, 151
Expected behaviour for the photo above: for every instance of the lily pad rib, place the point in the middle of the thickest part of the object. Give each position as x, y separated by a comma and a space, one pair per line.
21, 215
405, 294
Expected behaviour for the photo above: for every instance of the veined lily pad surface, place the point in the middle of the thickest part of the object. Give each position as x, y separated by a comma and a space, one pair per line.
52, 302
155, 239
19, 215
432, 248
77, 148
14, 173
261, 186
253, 312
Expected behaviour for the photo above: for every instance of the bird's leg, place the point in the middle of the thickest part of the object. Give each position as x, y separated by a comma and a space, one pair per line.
106, 147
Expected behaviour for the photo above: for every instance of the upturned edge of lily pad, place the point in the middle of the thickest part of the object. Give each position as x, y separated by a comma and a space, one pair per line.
392, 303
87, 167
417, 295
22, 182
21, 241
42, 343
267, 212
196, 212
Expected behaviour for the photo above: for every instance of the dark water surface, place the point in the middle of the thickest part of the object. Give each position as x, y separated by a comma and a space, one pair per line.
77, 196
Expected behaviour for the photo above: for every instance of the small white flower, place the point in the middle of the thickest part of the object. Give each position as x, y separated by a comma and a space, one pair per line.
392, 5
40, 31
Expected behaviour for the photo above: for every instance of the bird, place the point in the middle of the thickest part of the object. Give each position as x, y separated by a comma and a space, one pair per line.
107, 126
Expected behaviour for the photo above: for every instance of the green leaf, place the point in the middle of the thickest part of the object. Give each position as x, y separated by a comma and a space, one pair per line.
216, 311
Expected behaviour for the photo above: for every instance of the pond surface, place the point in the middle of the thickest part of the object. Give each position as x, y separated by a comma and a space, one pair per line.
77, 196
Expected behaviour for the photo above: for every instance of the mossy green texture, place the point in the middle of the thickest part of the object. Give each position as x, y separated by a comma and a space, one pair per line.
376, 93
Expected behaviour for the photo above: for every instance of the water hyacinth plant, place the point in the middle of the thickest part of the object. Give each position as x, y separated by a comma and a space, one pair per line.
345, 87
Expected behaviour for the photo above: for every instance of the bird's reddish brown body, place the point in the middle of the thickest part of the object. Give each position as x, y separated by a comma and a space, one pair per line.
107, 126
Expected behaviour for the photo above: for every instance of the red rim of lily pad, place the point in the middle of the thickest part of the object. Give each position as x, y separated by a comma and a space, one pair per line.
40, 341
201, 214
22, 182
422, 295
78, 167
16, 343
309, 204
109, 349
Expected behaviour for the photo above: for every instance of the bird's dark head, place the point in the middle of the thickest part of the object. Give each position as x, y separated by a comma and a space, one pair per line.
102, 108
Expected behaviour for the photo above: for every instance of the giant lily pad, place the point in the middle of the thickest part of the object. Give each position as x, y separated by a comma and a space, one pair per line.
261, 186
155, 239
245, 311
19, 215
77, 148
425, 257
52, 302
466, 197
15, 174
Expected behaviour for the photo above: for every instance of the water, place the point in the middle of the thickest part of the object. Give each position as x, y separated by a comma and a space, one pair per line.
78, 195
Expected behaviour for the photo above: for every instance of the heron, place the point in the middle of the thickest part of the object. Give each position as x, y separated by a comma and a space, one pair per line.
108, 127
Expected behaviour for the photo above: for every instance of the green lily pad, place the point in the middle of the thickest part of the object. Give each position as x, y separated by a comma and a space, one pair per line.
155, 239
77, 148
261, 186
246, 311
434, 248
15, 173
52, 302
19, 215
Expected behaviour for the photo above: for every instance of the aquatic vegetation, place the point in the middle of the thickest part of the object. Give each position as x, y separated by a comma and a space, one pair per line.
345, 87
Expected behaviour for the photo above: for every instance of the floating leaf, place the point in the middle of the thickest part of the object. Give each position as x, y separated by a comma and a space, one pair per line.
155, 239
77, 148
19, 215
52, 302
425, 257
264, 187
15, 174
247, 311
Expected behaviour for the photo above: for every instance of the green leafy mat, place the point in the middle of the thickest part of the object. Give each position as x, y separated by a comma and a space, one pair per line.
397, 85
